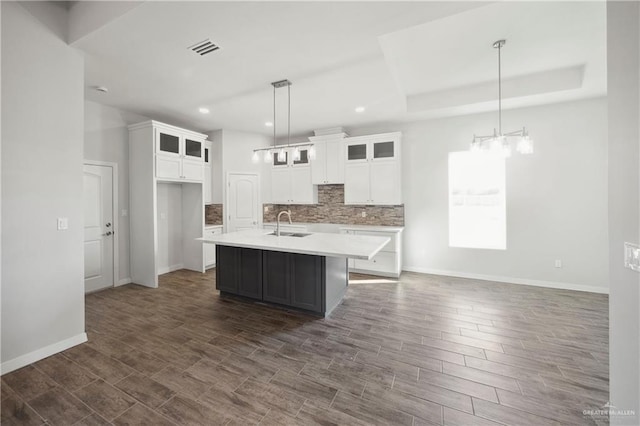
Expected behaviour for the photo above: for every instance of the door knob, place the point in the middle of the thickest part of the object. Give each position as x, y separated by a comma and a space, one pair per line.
108, 224
107, 233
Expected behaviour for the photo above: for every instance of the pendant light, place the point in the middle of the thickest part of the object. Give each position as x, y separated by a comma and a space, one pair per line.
280, 151
500, 142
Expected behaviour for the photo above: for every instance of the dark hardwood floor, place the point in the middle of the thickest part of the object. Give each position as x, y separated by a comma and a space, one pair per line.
420, 350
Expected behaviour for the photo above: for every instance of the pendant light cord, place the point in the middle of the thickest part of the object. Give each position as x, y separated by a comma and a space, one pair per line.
274, 116
499, 89
289, 115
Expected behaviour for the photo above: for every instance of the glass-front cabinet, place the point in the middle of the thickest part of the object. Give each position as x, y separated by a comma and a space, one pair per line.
173, 143
291, 177
372, 150
288, 157
372, 170
179, 154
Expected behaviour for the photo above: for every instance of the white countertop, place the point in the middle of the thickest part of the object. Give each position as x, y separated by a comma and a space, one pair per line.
208, 226
318, 244
340, 226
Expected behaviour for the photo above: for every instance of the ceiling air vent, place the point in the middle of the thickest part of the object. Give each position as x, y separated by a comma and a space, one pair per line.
204, 47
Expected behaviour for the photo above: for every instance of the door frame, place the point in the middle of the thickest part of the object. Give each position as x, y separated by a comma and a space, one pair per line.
116, 224
227, 183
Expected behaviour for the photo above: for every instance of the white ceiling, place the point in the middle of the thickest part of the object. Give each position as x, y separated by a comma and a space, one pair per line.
402, 61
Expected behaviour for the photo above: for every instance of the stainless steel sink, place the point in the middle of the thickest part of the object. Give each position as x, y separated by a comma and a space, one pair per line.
291, 234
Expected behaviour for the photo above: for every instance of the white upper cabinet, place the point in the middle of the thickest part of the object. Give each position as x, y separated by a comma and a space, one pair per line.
208, 173
328, 167
372, 170
291, 179
179, 153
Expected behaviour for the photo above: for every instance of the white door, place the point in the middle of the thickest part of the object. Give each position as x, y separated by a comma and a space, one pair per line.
242, 201
98, 227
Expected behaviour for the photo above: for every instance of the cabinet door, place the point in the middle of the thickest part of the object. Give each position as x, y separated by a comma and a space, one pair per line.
385, 183
319, 165
280, 160
227, 277
335, 161
209, 255
192, 170
208, 184
168, 167
383, 150
193, 149
301, 186
168, 142
250, 280
275, 277
280, 185
306, 282
302, 159
356, 183
356, 152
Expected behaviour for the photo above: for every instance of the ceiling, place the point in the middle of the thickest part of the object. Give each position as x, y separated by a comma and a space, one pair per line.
400, 60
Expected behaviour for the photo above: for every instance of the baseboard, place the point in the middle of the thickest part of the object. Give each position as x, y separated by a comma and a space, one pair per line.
37, 355
510, 280
171, 268
123, 281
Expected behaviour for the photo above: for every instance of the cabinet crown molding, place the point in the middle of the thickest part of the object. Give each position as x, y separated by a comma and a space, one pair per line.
160, 125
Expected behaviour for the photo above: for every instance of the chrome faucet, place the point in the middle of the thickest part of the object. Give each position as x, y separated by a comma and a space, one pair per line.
288, 213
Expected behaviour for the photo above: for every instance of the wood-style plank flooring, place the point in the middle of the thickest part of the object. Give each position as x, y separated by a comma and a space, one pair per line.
416, 351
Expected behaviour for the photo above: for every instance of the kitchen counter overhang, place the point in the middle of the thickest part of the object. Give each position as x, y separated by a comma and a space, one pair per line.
310, 273
317, 244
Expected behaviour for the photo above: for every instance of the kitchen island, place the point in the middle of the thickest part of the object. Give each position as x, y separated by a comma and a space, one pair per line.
302, 271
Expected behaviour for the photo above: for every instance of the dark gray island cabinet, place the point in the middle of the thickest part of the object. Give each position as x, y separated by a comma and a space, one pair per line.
308, 272
309, 282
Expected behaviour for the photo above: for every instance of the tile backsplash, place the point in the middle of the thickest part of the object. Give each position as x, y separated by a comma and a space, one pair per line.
331, 209
213, 214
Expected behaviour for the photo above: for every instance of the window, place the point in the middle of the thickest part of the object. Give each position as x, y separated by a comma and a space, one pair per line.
477, 202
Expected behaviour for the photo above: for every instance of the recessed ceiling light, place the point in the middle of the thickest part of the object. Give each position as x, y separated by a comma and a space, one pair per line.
203, 110
360, 109
101, 89
268, 124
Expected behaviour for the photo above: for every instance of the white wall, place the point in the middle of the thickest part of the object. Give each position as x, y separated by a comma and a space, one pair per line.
623, 70
169, 211
42, 132
556, 198
235, 150
106, 138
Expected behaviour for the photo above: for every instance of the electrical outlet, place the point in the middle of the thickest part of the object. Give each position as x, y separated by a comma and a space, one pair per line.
364, 214
124, 213
558, 263
632, 256
163, 215
266, 209
63, 223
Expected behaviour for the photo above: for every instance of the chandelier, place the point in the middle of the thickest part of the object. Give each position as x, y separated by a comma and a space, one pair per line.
281, 150
501, 142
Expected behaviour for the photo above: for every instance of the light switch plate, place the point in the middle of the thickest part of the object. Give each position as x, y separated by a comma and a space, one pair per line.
632, 256
63, 223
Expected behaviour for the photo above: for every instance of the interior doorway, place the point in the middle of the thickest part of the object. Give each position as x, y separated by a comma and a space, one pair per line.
100, 242
243, 201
